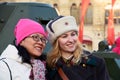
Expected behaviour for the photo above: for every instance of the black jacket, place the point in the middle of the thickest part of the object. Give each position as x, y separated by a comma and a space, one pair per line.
90, 68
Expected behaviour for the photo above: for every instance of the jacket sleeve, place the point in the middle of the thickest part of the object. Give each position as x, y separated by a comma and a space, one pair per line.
102, 72
4, 71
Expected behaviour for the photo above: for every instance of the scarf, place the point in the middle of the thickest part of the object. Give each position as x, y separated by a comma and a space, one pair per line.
38, 70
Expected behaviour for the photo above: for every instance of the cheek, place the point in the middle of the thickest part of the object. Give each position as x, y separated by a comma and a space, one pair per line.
27, 44
29, 48
62, 42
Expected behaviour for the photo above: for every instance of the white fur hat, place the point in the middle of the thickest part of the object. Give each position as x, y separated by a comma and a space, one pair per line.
59, 26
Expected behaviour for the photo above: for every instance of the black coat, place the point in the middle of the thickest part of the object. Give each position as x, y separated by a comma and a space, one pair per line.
90, 68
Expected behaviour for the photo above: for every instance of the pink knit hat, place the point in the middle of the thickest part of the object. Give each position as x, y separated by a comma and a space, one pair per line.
26, 27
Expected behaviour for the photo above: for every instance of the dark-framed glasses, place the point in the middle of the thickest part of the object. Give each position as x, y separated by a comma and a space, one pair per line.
37, 38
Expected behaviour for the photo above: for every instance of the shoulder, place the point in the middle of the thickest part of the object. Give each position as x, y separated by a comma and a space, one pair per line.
92, 59
4, 72
91, 56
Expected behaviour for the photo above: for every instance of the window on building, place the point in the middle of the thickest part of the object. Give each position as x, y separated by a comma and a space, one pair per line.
74, 12
89, 14
56, 6
116, 14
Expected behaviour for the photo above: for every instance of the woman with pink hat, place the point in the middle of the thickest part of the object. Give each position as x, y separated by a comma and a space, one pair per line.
24, 60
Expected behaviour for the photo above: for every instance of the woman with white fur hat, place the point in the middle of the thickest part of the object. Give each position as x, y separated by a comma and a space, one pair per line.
67, 60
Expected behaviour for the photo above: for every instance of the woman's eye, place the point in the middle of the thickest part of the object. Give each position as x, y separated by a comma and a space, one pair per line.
64, 36
36, 37
73, 34
43, 39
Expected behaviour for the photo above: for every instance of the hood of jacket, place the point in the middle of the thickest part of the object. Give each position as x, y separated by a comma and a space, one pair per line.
11, 52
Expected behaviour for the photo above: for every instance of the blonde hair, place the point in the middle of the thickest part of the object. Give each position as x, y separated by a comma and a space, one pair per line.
55, 54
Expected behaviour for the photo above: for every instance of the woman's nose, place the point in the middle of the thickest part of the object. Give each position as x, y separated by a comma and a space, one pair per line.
70, 38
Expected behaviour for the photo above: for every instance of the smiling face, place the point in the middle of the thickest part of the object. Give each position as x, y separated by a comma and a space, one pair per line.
34, 44
68, 41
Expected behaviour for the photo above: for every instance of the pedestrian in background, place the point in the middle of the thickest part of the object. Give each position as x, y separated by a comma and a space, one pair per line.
67, 60
23, 60
116, 50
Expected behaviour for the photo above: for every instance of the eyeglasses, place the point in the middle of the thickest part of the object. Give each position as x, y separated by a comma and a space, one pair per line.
37, 38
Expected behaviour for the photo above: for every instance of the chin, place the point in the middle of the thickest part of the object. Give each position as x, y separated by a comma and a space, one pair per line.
38, 54
70, 51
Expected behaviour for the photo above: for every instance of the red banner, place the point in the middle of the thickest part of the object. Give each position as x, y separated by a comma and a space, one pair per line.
113, 2
111, 35
84, 6
110, 30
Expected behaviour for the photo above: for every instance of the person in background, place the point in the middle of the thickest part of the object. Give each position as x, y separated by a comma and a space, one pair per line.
67, 60
116, 50
23, 60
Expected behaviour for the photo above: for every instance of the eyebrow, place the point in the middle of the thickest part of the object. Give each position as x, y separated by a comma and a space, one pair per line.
37, 35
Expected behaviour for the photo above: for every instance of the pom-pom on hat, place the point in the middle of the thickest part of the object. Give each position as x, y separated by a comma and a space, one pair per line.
26, 27
59, 26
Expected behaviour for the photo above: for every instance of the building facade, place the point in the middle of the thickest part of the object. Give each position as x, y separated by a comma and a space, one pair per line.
96, 19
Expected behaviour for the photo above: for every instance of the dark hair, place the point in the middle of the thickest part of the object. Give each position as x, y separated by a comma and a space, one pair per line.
25, 54
22, 52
